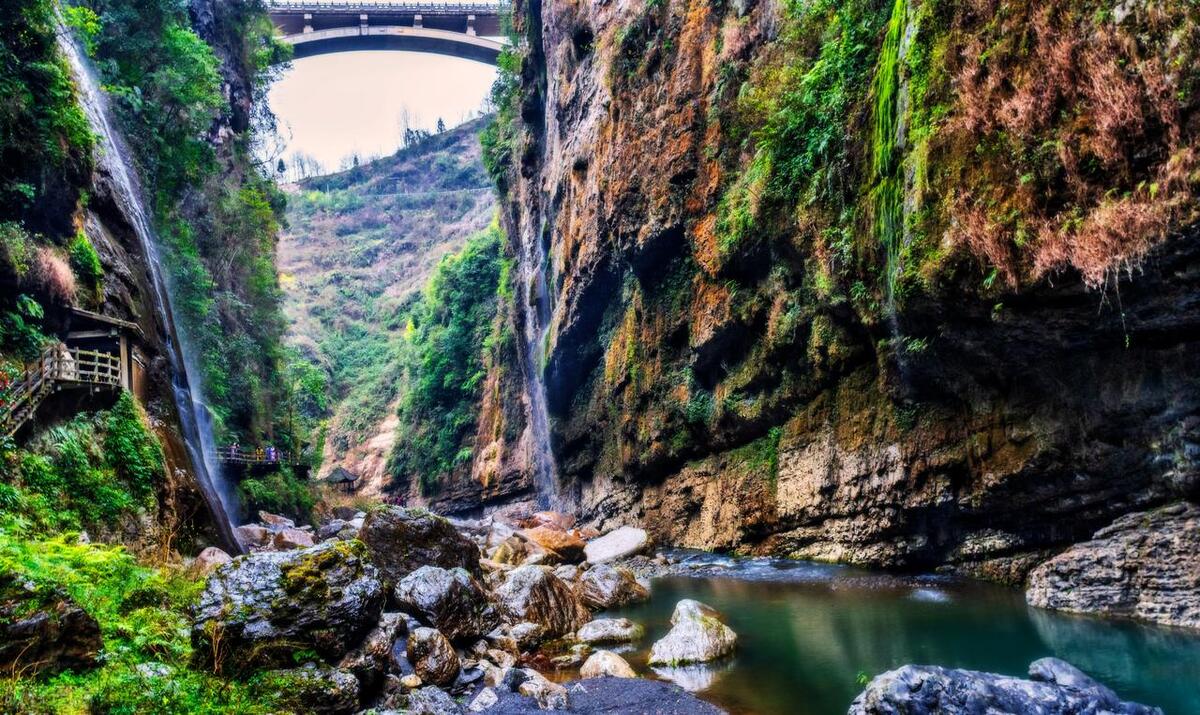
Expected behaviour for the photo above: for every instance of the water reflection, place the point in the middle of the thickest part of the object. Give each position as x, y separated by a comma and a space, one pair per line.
811, 629
694, 678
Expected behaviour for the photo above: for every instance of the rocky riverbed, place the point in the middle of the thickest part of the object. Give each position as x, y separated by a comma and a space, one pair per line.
399, 609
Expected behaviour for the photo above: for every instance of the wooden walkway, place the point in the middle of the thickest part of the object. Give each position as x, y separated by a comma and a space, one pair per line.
59, 367
253, 458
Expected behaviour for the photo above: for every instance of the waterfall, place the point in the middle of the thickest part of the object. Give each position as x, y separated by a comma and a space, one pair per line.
536, 308
194, 422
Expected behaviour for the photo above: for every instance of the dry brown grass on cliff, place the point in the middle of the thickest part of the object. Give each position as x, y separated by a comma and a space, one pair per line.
54, 275
1082, 156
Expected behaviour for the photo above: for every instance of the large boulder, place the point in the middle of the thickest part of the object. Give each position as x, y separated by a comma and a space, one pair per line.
42, 630
1144, 566
617, 544
606, 663
260, 609
566, 546
534, 594
697, 636
605, 586
610, 630
316, 690
402, 540
433, 656
451, 601
1054, 688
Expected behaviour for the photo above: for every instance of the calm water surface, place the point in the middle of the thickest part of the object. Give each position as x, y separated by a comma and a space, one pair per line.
806, 632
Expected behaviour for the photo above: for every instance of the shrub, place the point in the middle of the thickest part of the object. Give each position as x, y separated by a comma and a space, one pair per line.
55, 276
84, 260
143, 617
280, 492
444, 363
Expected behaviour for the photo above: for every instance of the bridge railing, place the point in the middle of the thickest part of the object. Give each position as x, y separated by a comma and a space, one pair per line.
21, 396
430, 8
250, 457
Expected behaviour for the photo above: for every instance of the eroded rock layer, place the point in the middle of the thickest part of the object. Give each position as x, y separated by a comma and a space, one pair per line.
779, 324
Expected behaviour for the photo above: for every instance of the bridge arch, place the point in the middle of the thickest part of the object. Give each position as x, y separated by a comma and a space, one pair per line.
316, 27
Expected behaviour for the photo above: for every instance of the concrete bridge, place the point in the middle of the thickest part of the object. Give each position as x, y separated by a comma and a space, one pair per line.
316, 27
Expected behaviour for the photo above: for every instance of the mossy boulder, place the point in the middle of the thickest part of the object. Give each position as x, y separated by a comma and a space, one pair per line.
259, 610
401, 540
42, 630
311, 689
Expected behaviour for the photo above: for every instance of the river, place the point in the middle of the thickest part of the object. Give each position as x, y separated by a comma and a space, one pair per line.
809, 633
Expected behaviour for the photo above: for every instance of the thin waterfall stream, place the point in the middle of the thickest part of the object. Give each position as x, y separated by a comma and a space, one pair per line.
537, 311
194, 422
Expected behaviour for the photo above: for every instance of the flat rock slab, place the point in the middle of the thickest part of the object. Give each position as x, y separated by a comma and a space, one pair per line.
617, 544
1144, 566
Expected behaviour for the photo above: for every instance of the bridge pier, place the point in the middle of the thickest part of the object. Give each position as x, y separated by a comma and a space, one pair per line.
417, 21
471, 25
308, 27
362, 23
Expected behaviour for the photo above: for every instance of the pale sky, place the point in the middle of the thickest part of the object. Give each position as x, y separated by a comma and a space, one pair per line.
330, 106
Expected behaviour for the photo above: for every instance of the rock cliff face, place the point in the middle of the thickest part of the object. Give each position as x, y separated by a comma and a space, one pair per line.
781, 324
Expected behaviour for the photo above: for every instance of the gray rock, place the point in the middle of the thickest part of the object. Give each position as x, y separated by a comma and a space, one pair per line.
401, 540
1054, 688
605, 662
431, 701
697, 636
317, 690
484, 700
258, 610
1144, 566
533, 593
451, 601
42, 630
345, 513
617, 544
527, 635
549, 695
610, 630
605, 586
330, 529
371, 660
433, 657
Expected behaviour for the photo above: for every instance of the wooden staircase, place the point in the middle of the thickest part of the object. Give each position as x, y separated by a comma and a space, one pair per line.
59, 367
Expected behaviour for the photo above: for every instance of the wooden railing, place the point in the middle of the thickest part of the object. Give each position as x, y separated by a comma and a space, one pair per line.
253, 457
58, 366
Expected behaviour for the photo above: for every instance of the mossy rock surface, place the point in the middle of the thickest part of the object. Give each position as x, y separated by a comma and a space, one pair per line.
259, 610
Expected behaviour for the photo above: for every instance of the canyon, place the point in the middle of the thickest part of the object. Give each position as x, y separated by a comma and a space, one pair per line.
744, 348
